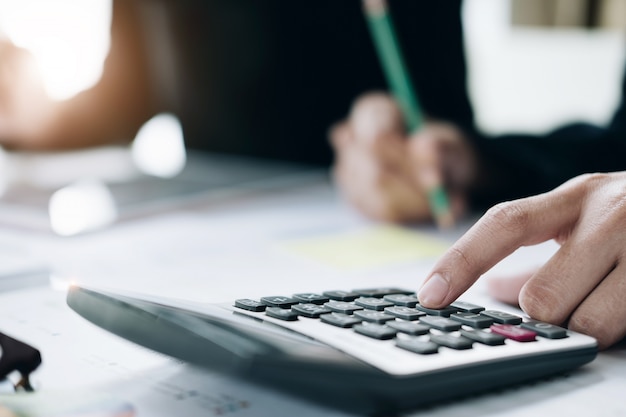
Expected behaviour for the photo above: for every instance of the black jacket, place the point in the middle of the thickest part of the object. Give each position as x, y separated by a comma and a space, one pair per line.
268, 78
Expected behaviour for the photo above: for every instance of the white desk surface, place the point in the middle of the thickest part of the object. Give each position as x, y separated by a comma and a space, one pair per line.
245, 246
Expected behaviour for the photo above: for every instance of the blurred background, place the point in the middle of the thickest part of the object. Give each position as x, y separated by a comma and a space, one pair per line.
533, 65
69, 38
569, 51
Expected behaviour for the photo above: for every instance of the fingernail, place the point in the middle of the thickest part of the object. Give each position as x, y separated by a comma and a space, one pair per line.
434, 291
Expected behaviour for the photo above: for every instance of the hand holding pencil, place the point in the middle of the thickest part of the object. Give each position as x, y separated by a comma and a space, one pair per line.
384, 172
387, 173
386, 43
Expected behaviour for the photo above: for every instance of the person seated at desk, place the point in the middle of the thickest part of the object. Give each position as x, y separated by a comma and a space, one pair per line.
269, 78
383, 171
582, 285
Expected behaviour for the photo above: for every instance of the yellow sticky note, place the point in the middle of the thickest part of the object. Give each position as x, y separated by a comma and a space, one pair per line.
373, 247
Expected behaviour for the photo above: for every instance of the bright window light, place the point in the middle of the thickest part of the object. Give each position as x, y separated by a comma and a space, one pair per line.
81, 207
68, 38
159, 148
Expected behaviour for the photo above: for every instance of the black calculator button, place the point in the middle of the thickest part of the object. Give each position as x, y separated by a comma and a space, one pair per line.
408, 327
310, 310
502, 317
417, 345
342, 307
405, 313
373, 316
372, 303
444, 312
250, 305
467, 307
381, 292
452, 341
402, 300
281, 313
278, 301
310, 298
477, 321
486, 338
546, 330
440, 323
377, 331
340, 320
341, 295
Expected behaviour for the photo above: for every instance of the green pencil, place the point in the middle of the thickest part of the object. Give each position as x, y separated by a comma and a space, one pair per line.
386, 43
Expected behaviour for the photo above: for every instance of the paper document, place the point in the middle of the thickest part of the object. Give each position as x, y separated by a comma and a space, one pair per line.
276, 243
88, 372
376, 246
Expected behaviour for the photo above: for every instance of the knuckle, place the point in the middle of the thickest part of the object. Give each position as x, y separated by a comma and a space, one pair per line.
510, 216
615, 203
461, 259
593, 179
606, 204
585, 182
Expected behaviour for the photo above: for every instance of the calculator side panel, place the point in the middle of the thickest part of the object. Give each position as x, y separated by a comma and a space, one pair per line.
222, 341
371, 394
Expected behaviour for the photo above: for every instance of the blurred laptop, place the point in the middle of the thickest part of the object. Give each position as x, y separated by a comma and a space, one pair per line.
83, 191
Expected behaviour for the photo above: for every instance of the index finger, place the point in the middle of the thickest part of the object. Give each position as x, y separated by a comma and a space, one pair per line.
503, 229
374, 115
428, 169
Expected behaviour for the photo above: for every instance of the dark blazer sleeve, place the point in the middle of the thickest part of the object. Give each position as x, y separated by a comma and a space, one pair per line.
514, 165
520, 165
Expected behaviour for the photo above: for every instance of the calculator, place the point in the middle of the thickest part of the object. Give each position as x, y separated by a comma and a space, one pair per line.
370, 351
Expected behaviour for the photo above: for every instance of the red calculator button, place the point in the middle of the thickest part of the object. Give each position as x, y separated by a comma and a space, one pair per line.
514, 332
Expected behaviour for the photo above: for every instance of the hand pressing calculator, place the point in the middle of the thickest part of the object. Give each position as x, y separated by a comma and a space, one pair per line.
371, 351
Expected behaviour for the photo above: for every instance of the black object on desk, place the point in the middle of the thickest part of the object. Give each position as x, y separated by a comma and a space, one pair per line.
20, 357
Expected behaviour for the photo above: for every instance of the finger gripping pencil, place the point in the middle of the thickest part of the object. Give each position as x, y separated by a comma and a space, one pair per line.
386, 44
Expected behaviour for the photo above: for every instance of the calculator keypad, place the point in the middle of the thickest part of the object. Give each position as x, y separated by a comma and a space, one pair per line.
378, 317
373, 303
394, 313
477, 321
340, 320
344, 307
549, 331
310, 310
